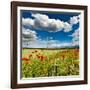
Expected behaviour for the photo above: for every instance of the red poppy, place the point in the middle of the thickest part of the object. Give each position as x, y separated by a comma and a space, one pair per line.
25, 59
42, 58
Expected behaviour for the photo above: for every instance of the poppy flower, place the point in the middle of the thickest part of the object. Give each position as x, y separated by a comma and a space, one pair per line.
42, 58
25, 59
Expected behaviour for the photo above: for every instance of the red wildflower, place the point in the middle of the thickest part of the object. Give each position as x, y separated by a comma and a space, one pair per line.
42, 58
25, 59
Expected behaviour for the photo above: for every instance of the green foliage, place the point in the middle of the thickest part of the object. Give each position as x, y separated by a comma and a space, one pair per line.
58, 64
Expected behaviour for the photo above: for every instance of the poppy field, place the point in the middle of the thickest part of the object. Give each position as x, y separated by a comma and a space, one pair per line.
49, 62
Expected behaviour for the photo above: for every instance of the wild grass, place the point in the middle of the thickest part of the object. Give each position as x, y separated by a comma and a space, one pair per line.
47, 62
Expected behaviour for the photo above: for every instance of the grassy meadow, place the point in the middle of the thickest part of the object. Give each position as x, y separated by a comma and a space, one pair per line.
49, 62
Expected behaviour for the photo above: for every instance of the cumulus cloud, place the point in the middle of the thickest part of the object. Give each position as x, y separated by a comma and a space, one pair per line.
43, 22
75, 34
28, 21
28, 35
36, 44
74, 20
75, 39
67, 27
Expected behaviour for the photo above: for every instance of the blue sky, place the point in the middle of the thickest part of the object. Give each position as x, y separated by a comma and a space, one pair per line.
59, 27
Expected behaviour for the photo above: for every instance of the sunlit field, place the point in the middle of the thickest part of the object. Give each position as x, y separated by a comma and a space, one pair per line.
47, 62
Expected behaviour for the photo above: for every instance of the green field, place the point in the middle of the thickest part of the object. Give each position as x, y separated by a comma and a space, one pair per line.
49, 62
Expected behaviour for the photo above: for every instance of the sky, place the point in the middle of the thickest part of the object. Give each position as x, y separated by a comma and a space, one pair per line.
43, 29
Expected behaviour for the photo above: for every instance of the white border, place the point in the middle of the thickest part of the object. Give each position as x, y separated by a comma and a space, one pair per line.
51, 79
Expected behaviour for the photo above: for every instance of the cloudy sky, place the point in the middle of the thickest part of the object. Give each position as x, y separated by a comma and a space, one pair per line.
42, 29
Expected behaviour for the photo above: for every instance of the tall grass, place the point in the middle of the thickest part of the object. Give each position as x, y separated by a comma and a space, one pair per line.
46, 63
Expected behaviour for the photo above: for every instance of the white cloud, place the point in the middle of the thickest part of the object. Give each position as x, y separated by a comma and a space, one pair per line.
42, 21
75, 34
60, 44
27, 21
28, 35
39, 43
75, 39
67, 27
75, 43
35, 44
74, 20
